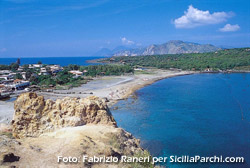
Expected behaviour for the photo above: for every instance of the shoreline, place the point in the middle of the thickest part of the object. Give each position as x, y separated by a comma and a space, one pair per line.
183, 73
135, 88
111, 88
115, 88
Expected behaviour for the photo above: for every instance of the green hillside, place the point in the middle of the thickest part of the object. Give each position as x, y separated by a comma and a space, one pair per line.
220, 60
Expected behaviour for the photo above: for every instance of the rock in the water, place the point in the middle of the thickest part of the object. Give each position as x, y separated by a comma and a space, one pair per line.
34, 115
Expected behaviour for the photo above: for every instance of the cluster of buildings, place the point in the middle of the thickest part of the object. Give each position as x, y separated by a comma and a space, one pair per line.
8, 83
46, 69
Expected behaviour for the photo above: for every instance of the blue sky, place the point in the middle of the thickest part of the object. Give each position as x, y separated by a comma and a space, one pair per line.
47, 28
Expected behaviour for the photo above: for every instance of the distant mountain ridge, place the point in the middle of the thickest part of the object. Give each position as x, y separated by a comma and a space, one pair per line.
107, 52
171, 47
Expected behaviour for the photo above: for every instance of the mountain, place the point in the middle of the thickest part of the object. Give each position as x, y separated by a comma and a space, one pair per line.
121, 48
103, 52
171, 47
107, 52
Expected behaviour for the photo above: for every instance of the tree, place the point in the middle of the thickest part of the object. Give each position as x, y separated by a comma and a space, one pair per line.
33, 80
230, 59
28, 74
4, 67
73, 67
63, 77
18, 61
26, 66
18, 76
14, 66
39, 62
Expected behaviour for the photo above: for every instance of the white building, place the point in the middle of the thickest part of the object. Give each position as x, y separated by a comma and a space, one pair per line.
54, 67
76, 73
35, 65
18, 84
6, 77
20, 68
23, 75
5, 72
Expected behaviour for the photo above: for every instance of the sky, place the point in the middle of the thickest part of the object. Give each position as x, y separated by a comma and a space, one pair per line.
59, 28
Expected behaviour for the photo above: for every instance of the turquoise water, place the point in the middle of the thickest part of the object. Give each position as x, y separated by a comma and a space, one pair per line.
202, 114
63, 61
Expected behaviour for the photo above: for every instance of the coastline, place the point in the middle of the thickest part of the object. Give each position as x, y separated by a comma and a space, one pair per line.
115, 88
128, 85
124, 87
111, 88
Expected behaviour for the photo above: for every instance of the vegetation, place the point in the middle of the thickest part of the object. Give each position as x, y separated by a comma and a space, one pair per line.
107, 70
12, 66
237, 59
102, 70
62, 78
18, 76
18, 61
4, 67
221, 60
143, 154
66, 78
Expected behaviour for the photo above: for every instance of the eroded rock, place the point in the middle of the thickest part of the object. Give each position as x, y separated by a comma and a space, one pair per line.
34, 115
46, 129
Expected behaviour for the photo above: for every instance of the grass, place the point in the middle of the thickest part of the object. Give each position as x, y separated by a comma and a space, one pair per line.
8, 134
143, 154
246, 68
143, 72
71, 84
114, 141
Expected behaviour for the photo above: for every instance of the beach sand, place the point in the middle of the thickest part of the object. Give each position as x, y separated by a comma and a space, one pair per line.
113, 88
6, 112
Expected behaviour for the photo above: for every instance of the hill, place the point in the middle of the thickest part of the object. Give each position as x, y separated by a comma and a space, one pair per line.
171, 47
238, 59
107, 52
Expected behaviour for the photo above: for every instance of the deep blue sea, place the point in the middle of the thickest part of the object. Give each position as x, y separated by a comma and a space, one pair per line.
63, 61
201, 114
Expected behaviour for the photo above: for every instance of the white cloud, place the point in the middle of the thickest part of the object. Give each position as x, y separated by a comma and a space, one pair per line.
194, 17
230, 28
125, 41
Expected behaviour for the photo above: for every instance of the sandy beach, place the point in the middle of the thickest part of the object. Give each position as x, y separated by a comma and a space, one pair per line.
113, 88
6, 112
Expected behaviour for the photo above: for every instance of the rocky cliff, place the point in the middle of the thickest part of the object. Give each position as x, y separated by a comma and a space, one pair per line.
34, 115
43, 130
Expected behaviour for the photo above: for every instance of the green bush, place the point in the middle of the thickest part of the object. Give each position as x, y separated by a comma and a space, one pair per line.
223, 59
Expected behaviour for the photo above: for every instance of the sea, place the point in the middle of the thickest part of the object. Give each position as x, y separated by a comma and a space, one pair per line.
63, 61
200, 114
